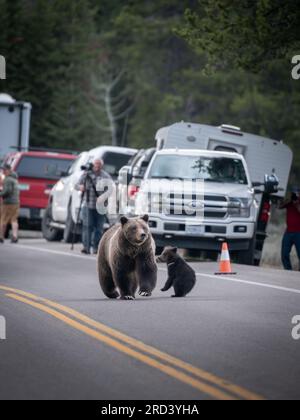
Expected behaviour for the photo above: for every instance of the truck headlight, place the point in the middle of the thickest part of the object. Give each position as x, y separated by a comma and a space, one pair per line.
239, 207
59, 186
141, 203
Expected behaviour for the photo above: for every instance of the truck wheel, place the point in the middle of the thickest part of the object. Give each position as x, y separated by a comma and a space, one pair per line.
49, 233
246, 257
70, 227
192, 253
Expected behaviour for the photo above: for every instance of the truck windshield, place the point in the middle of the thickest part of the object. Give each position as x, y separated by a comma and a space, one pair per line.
210, 169
40, 167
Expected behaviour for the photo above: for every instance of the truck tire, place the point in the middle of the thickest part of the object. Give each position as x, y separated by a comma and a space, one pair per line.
49, 233
70, 227
193, 253
247, 257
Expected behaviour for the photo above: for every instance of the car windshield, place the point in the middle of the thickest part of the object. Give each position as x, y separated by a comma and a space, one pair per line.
42, 167
75, 166
113, 162
207, 168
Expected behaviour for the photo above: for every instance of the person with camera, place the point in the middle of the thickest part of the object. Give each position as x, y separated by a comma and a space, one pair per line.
292, 235
92, 221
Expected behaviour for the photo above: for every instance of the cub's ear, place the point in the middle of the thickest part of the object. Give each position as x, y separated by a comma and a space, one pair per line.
124, 220
145, 218
174, 250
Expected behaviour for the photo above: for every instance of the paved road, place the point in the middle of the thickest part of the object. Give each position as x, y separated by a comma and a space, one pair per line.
230, 338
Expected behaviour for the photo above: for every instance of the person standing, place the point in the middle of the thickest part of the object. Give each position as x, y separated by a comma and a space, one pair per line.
11, 203
92, 221
1, 203
292, 235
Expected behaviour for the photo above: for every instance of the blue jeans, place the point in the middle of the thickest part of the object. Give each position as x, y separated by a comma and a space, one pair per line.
92, 228
289, 240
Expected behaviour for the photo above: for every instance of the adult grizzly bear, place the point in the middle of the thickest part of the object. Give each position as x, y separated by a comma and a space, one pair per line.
126, 259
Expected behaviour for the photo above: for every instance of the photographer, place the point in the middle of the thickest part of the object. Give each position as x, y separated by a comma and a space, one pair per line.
292, 234
93, 222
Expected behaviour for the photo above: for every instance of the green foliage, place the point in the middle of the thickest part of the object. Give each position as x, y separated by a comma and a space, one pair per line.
243, 33
211, 62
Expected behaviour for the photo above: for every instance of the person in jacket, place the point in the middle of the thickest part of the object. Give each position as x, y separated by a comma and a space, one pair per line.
292, 235
11, 203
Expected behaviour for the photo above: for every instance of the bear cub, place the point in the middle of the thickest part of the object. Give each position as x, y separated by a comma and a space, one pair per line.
180, 275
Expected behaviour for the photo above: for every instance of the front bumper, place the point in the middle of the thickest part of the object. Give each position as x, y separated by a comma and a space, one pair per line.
167, 231
204, 244
31, 214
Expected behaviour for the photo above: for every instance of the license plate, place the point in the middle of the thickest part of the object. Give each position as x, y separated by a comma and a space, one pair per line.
24, 187
195, 229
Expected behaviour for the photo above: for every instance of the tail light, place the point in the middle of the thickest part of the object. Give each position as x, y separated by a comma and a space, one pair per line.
133, 190
266, 212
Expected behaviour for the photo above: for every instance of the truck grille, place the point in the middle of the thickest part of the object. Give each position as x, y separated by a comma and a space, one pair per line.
215, 206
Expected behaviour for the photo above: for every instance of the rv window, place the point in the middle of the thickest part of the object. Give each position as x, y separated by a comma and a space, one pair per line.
225, 149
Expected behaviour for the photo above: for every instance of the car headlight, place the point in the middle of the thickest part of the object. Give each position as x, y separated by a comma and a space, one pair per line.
239, 207
59, 186
141, 203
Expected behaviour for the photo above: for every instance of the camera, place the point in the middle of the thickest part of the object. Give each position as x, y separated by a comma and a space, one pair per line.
88, 167
294, 197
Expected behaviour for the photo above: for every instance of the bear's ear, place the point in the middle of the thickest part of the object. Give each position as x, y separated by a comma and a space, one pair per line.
174, 250
124, 220
145, 218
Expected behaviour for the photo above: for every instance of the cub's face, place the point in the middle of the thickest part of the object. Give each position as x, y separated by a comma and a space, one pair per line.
167, 255
136, 231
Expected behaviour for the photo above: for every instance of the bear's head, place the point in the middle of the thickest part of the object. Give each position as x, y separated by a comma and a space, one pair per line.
136, 230
168, 255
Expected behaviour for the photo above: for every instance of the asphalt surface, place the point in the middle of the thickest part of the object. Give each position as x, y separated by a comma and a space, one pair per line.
229, 339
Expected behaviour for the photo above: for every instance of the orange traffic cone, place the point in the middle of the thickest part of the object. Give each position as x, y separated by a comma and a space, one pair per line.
225, 265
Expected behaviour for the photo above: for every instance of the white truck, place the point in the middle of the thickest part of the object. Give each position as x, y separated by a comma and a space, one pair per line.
61, 216
14, 125
242, 173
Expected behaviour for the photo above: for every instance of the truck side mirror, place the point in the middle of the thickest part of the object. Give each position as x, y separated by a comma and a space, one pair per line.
125, 176
271, 183
257, 184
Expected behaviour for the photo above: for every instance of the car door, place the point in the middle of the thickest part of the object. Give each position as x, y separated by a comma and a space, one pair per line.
63, 190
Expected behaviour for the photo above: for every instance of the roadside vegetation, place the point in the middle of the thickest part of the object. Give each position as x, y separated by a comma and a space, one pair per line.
101, 72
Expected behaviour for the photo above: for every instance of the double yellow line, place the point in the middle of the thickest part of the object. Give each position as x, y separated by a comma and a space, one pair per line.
195, 377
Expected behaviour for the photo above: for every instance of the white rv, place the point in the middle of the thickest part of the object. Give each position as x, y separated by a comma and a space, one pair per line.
14, 125
236, 209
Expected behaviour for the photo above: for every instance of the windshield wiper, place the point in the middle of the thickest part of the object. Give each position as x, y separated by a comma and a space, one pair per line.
168, 177
214, 180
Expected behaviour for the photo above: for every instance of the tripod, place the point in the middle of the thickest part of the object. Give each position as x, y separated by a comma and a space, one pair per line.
79, 212
87, 178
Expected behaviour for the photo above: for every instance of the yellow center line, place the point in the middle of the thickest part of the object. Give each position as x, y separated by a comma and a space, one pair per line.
207, 389
225, 385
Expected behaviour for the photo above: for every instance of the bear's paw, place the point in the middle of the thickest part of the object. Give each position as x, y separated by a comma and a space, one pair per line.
144, 293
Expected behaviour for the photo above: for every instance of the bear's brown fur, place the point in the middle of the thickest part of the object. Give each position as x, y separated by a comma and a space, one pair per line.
126, 259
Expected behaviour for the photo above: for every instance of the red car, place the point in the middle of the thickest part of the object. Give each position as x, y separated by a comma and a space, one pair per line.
38, 172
